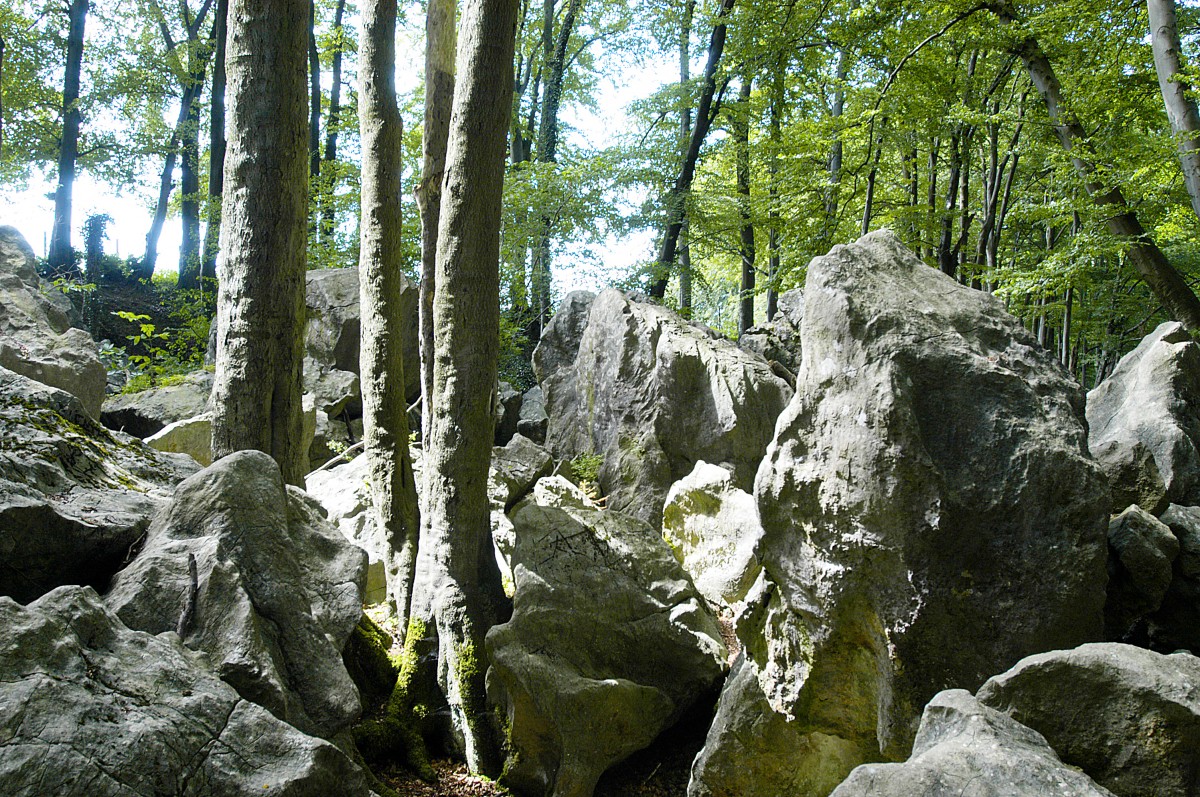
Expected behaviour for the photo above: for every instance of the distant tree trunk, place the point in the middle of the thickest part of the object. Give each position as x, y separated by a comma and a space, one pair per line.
216, 147
1181, 107
741, 142
1152, 265
773, 215
1, 97
381, 281
458, 595
189, 188
61, 255
869, 202
685, 132
314, 95
260, 305
836, 157
440, 47
677, 196
328, 221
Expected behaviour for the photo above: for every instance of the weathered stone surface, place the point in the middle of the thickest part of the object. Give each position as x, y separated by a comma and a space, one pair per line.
713, 529
778, 340
147, 412
344, 492
88, 707
36, 338
191, 436
653, 395
516, 468
1141, 549
964, 748
74, 496
533, 421
930, 512
1176, 625
1128, 717
608, 645
508, 412
278, 589
1144, 422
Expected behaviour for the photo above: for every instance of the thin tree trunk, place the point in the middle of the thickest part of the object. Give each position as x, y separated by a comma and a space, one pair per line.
1, 97
381, 281
776, 128
314, 95
741, 141
872, 176
677, 196
189, 187
260, 306
61, 255
216, 147
829, 225
458, 594
685, 131
328, 221
1181, 107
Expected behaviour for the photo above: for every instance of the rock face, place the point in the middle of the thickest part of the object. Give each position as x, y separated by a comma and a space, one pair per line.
963, 748
1128, 717
930, 517
147, 412
278, 590
191, 436
1145, 422
36, 338
653, 395
1176, 624
778, 340
74, 497
608, 645
1141, 551
533, 421
92, 708
713, 528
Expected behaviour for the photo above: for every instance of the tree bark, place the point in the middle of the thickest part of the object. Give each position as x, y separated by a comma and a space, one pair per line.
189, 189
260, 305
741, 141
328, 221
381, 281
458, 596
1181, 108
61, 255
685, 132
1, 97
314, 94
216, 147
773, 215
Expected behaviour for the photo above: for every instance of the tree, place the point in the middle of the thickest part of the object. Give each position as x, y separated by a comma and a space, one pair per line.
260, 302
741, 140
216, 146
458, 595
61, 255
1181, 107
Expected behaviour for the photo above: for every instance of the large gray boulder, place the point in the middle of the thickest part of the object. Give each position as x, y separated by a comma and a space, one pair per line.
652, 395
1141, 551
75, 498
964, 748
1128, 717
930, 516
533, 422
277, 589
36, 337
778, 340
608, 645
89, 708
148, 412
1145, 422
1176, 625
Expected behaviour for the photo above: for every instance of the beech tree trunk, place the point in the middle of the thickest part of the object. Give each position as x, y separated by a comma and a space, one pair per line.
216, 147
1, 96
61, 255
381, 281
685, 132
458, 595
328, 222
260, 304
741, 140
1181, 108
314, 94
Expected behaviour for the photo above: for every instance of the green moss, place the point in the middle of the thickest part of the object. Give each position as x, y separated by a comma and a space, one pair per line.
370, 667
586, 467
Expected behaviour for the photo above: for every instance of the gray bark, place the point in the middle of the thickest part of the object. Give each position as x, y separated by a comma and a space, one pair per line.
260, 305
331, 126
458, 596
61, 255
216, 147
685, 131
741, 139
1181, 108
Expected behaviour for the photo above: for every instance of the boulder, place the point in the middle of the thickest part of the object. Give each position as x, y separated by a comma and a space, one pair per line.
75, 498
90, 707
1176, 625
1141, 549
276, 591
608, 645
148, 412
1145, 422
1128, 717
930, 514
192, 436
36, 337
533, 421
778, 340
344, 492
652, 395
713, 529
964, 748
515, 469
508, 412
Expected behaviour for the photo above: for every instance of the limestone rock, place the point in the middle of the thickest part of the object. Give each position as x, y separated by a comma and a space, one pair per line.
75, 498
533, 421
278, 590
147, 412
1145, 422
652, 395
88, 707
36, 338
609, 642
508, 412
1128, 717
778, 340
1141, 551
1176, 625
929, 508
713, 528
964, 748
191, 436
515, 469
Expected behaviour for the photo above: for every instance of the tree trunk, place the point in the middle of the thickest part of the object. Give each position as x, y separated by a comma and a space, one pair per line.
1152, 265
328, 221
741, 141
216, 147
381, 281
685, 132
773, 248
314, 95
189, 188
458, 596
836, 158
677, 196
1181, 107
260, 305
61, 255
1, 97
